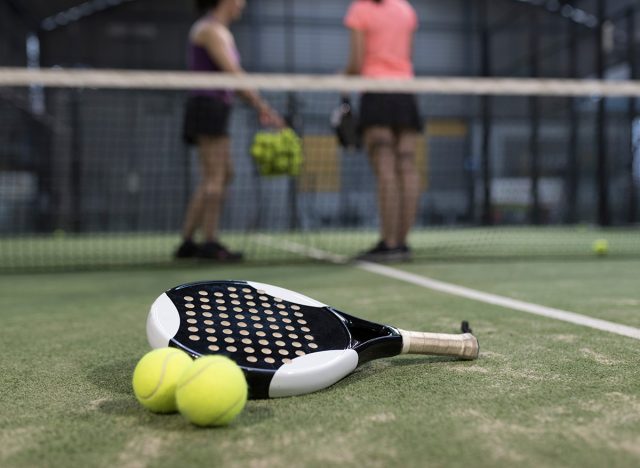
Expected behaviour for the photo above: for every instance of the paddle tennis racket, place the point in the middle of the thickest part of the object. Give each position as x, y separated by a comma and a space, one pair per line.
286, 343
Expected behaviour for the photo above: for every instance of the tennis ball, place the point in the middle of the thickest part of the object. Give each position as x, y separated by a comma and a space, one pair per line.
155, 378
600, 247
212, 392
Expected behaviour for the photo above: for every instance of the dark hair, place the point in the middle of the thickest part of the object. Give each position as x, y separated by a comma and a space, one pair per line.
206, 5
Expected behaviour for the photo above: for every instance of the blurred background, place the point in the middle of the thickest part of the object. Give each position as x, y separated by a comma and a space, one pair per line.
100, 176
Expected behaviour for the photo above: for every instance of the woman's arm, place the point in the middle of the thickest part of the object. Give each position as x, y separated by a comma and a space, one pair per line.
356, 53
213, 38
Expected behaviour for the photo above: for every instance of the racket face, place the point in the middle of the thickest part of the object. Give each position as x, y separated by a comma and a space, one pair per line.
285, 342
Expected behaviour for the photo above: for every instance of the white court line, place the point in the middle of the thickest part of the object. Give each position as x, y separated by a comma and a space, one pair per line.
460, 291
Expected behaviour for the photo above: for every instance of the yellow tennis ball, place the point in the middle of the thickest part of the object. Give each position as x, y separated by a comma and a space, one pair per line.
601, 247
212, 392
155, 378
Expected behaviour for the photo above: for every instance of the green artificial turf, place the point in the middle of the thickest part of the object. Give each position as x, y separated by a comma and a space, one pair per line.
543, 393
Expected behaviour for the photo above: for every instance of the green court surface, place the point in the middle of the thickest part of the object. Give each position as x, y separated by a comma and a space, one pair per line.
543, 393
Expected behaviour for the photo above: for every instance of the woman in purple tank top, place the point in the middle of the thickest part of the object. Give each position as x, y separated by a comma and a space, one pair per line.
212, 49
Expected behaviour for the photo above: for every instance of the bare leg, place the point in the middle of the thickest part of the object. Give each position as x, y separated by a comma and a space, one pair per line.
206, 204
380, 144
409, 183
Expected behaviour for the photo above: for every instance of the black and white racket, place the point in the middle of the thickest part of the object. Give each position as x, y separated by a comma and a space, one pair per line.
286, 343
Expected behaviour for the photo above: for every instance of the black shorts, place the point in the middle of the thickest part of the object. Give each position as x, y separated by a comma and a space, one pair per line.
205, 116
398, 111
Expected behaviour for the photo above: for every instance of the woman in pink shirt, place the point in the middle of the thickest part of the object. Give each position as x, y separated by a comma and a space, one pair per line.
382, 33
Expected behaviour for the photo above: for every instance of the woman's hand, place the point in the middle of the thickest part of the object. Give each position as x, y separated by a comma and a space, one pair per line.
270, 118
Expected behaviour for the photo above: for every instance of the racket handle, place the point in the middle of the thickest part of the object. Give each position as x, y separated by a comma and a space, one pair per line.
464, 346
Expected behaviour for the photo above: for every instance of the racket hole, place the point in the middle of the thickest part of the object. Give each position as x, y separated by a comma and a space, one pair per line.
252, 359
277, 299
295, 307
231, 288
253, 311
298, 314
203, 293
246, 341
263, 298
305, 329
193, 329
268, 312
269, 360
194, 338
265, 304
189, 306
248, 297
192, 321
255, 318
205, 307
281, 306
236, 303
204, 299
261, 333
313, 346
274, 327
266, 351
277, 335
223, 316
221, 308
188, 298
240, 317
218, 294
190, 313
286, 320
210, 331
242, 325
263, 342
302, 322
251, 304
232, 349
290, 328
295, 344
224, 323
271, 319
226, 331
293, 336
219, 301
258, 325
283, 352
207, 314
229, 340
208, 322
233, 296
237, 309
214, 348
260, 291
283, 313
212, 339
286, 361
246, 290
244, 332
300, 353
249, 350
309, 337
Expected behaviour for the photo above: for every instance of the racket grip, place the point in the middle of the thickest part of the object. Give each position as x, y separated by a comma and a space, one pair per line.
464, 346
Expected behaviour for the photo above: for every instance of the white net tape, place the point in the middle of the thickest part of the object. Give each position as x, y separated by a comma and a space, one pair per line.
117, 79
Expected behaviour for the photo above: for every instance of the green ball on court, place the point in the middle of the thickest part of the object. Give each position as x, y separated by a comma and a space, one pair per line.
156, 376
601, 247
212, 392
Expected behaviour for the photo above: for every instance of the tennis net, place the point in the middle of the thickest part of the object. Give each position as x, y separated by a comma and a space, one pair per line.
93, 170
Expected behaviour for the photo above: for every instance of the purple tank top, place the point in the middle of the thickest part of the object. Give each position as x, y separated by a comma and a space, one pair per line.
199, 60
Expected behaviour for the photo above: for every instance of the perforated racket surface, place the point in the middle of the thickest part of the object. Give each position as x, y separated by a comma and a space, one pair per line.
286, 343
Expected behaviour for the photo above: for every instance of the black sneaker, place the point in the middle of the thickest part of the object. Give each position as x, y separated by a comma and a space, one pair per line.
406, 253
188, 249
381, 253
218, 252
